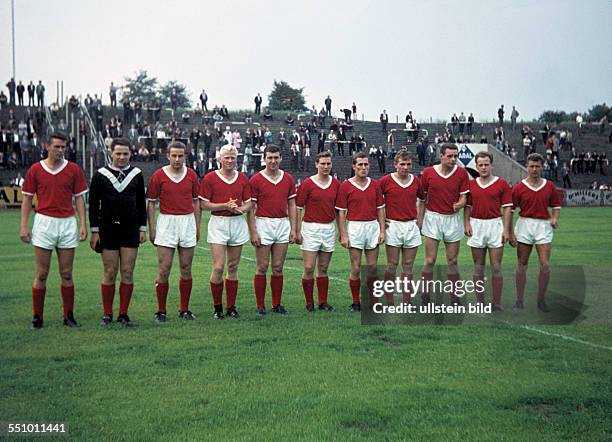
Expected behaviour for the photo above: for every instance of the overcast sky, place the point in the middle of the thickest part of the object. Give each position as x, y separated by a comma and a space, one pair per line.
432, 57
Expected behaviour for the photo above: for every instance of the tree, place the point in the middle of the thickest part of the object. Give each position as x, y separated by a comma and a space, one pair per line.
285, 98
141, 87
553, 116
597, 112
165, 92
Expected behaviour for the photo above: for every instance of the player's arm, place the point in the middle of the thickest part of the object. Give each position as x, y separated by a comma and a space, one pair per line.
298, 225
94, 213
255, 240
467, 227
151, 219
507, 220
80, 207
197, 213
141, 207
461, 203
380, 214
554, 218
420, 213
293, 220
341, 221
26, 209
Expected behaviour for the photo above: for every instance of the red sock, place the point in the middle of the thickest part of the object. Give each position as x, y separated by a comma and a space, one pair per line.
389, 276
322, 288
231, 292
543, 279
259, 284
185, 292
498, 286
161, 291
426, 277
67, 299
454, 277
308, 287
125, 296
216, 288
520, 279
355, 285
108, 296
276, 285
407, 294
38, 301
479, 288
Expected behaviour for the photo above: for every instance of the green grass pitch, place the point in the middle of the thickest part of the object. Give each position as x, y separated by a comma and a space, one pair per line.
299, 376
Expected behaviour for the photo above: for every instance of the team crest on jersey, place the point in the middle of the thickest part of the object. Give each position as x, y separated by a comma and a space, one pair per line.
465, 155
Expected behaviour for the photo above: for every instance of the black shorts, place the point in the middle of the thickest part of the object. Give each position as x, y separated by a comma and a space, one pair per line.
114, 237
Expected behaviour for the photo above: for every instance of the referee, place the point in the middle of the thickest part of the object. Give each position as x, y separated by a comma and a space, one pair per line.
117, 218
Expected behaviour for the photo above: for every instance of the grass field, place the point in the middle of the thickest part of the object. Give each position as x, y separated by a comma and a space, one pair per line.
300, 376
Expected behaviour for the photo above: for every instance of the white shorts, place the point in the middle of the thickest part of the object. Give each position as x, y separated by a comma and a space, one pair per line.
447, 228
363, 235
533, 231
403, 234
49, 232
486, 233
273, 230
176, 231
227, 230
318, 237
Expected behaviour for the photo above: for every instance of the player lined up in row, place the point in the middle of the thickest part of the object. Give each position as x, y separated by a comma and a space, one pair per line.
395, 210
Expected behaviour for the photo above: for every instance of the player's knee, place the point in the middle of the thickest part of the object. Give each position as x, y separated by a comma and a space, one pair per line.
42, 275
309, 269
322, 269
277, 269
451, 261
496, 270
163, 275
544, 268
371, 270
430, 261
391, 267
232, 267
66, 275
479, 270
127, 275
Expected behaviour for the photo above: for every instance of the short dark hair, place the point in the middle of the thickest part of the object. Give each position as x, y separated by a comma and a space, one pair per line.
358, 155
483, 154
535, 157
447, 146
271, 148
403, 154
176, 145
324, 154
58, 136
120, 142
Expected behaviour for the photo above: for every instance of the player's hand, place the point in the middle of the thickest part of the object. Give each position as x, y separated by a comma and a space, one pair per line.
142, 237
458, 206
381, 237
299, 238
255, 239
344, 242
505, 237
554, 223
82, 233
197, 234
152, 236
292, 237
25, 235
513, 241
467, 229
419, 224
231, 205
94, 240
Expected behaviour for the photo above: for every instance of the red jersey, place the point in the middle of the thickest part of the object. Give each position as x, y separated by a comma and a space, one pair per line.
534, 202
215, 188
486, 201
361, 202
175, 195
272, 197
55, 188
318, 201
401, 199
444, 190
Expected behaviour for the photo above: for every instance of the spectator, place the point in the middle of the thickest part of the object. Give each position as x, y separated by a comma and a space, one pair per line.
40, 94
258, 100
328, 106
20, 91
565, 173
354, 109
112, 92
513, 116
500, 115
143, 153
3, 100
289, 119
267, 116
204, 100
17, 181
31, 91
384, 120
